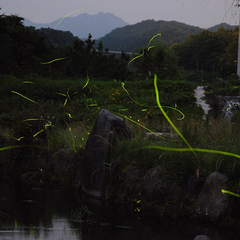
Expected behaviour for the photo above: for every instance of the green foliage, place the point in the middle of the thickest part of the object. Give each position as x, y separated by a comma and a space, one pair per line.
159, 59
20, 48
215, 52
27, 51
55, 37
136, 36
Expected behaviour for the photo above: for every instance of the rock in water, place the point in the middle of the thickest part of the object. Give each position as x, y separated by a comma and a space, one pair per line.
107, 129
211, 201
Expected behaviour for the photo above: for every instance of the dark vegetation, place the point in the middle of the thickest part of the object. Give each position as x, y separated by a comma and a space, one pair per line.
55, 37
132, 37
24, 51
51, 95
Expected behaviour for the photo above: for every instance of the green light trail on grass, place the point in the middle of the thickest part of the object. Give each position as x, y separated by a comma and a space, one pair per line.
123, 86
191, 149
166, 116
11, 147
129, 118
33, 119
38, 133
25, 97
86, 82
54, 60
17, 139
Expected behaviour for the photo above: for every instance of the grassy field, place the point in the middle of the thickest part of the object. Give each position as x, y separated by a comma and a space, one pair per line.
41, 116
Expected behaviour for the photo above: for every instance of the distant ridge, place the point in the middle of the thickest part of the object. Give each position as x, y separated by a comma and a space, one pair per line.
225, 25
132, 37
98, 25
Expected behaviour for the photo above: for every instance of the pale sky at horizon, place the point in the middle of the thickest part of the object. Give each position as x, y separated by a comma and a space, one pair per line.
202, 13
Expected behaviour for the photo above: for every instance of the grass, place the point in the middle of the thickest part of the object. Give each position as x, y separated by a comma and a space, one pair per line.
66, 110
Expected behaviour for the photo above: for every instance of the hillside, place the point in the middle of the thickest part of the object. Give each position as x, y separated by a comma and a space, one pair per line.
135, 36
98, 25
55, 37
225, 25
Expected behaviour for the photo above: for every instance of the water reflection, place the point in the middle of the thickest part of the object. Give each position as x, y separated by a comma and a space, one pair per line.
40, 212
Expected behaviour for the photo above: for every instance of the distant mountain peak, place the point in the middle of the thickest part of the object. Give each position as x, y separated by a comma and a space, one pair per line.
97, 24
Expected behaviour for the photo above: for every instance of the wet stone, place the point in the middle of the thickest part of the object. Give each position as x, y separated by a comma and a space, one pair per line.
211, 201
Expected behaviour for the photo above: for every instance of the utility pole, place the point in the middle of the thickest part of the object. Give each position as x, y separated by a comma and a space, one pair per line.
238, 60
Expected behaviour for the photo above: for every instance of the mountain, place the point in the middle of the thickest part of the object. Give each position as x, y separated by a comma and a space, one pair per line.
225, 25
55, 37
132, 37
98, 25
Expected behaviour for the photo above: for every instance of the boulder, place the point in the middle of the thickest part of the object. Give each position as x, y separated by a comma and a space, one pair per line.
202, 237
211, 201
158, 185
133, 179
107, 129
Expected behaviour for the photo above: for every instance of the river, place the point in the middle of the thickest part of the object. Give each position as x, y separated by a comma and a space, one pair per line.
40, 212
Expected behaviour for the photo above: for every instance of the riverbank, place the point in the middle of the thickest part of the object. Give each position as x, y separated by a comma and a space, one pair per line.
43, 140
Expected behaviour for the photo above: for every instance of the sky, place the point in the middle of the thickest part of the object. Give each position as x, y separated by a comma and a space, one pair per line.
201, 13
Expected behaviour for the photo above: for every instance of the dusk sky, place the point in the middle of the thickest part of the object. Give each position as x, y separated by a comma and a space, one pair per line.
202, 13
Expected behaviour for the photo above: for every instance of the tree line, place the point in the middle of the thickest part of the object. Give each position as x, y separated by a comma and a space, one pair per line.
27, 51
213, 52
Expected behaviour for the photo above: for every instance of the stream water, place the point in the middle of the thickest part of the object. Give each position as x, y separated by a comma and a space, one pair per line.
199, 94
41, 213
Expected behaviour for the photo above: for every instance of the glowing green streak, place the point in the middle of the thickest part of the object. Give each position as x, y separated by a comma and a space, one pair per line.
48, 125
159, 34
130, 95
69, 114
173, 108
166, 116
18, 139
86, 82
10, 147
54, 60
25, 97
68, 15
136, 57
193, 150
28, 82
142, 126
65, 102
231, 193
33, 119
38, 133
62, 94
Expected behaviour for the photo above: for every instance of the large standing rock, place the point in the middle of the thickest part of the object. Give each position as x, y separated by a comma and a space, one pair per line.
211, 201
159, 185
107, 129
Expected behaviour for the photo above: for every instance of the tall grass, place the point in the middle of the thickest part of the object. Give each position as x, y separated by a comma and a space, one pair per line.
67, 109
